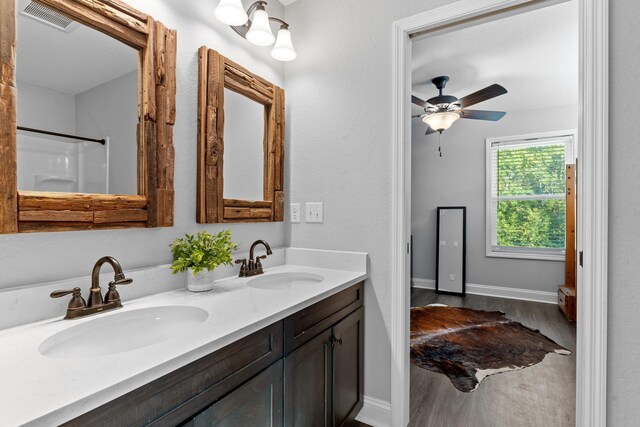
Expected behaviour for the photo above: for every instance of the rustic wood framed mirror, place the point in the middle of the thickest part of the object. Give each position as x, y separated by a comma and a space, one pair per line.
58, 203
233, 160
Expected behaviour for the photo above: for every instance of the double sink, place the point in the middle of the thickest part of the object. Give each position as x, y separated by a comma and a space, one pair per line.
129, 330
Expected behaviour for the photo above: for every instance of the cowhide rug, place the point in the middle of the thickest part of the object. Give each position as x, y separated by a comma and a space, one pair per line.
468, 345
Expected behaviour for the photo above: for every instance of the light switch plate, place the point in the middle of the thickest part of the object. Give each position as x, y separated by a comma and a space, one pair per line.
314, 212
295, 212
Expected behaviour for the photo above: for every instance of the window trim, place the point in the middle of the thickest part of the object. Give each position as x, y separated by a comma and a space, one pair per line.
516, 252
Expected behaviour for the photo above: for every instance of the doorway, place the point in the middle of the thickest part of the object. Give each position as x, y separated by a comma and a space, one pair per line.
592, 206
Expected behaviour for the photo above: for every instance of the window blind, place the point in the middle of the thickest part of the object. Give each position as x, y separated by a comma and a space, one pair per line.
527, 187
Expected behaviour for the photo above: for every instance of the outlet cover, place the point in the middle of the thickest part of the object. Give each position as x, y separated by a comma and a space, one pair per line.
314, 212
295, 212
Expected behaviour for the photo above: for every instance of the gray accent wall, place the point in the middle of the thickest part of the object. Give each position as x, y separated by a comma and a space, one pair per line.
458, 179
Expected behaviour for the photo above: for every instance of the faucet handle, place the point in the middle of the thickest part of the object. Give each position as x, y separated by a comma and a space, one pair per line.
76, 299
243, 267
258, 263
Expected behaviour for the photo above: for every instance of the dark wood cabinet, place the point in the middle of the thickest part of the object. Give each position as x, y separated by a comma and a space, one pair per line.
305, 370
256, 403
348, 368
324, 378
307, 383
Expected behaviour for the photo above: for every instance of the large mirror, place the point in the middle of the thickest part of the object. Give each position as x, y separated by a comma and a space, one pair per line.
87, 107
77, 106
240, 143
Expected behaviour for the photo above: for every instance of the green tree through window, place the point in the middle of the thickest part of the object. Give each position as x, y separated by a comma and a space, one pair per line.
530, 204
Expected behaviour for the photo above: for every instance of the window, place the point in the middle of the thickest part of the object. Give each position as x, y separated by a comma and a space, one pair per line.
526, 185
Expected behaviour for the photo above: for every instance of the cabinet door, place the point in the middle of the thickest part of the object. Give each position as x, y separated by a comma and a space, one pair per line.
256, 403
307, 383
348, 368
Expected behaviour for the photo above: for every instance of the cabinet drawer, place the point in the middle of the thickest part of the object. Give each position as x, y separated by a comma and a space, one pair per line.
171, 399
302, 326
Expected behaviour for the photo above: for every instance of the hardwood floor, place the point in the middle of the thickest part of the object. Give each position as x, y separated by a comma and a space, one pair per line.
539, 396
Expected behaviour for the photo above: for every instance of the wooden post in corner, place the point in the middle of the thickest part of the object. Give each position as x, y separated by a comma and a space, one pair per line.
570, 236
567, 293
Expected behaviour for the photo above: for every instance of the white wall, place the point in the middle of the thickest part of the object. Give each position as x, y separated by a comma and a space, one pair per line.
458, 179
624, 216
29, 258
339, 133
111, 110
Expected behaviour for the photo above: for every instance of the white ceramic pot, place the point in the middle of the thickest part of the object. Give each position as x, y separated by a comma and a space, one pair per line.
203, 281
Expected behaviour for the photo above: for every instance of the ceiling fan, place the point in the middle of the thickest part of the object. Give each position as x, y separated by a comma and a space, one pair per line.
442, 110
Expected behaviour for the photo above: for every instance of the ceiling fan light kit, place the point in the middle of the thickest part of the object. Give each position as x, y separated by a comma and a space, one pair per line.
254, 25
440, 121
442, 111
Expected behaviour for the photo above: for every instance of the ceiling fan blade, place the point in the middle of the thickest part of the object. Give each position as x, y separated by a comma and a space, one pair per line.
430, 130
419, 102
482, 95
416, 116
493, 116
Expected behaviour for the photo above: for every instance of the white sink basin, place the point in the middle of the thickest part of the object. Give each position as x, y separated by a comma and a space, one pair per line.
123, 331
284, 280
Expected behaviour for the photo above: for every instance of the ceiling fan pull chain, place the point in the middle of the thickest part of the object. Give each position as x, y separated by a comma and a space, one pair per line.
439, 146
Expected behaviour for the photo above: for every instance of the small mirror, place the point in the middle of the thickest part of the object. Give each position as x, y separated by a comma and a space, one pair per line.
240, 143
244, 147
77, 106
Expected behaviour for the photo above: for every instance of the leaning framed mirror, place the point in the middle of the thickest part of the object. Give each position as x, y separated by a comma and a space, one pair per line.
87, 94
240, 143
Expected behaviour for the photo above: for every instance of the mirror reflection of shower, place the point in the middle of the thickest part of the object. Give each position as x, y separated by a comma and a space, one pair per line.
77, 99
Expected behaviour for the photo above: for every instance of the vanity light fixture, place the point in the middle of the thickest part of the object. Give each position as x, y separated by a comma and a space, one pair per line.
231, 12
254, 25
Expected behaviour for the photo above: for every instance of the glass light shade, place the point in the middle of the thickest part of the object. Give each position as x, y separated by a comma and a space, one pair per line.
260, 32
283, 49
441, 121
231, 12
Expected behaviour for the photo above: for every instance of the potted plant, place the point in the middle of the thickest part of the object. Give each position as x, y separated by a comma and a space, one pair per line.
201, 252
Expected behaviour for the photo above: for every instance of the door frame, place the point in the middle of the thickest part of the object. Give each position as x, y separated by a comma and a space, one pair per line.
592, 231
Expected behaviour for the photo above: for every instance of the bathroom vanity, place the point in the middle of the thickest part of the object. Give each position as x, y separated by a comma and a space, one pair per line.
306, 369
281, 348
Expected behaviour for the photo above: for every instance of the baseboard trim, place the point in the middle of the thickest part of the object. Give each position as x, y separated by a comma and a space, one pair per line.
497, 291
375, 412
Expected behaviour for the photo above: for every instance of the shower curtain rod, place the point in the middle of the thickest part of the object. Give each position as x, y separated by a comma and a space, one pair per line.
63, 135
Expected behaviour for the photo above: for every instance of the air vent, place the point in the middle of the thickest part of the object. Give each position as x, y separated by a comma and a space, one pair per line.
48, 16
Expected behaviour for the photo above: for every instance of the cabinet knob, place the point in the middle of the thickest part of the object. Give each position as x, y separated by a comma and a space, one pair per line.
335, 341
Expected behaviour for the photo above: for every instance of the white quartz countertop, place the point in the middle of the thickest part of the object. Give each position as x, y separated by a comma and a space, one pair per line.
43, 391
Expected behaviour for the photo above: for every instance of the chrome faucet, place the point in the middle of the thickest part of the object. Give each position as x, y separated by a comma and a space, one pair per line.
253, 267
78, 307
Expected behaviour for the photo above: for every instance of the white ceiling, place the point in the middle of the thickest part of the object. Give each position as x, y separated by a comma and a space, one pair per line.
287, 2
69, 62
533, 55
